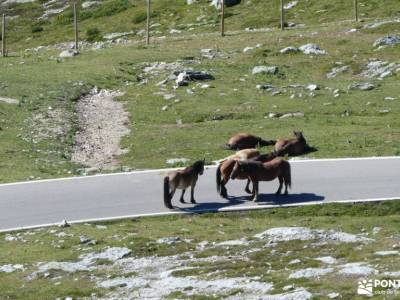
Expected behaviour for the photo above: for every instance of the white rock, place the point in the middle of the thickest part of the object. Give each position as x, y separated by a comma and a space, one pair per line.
327, 259
289, 49
387, 253
172, 161
11, 268
310, 273
312, 49
358, 268
265, 70
333, 295
68, 53
248, 49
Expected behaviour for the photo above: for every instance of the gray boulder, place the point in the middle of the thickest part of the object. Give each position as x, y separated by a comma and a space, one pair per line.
361, 86
68, 53
265, 70
387, 40
312, 49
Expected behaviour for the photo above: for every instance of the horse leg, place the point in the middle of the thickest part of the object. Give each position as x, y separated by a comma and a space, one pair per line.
255, 191
182, 200
247, 188
192, 194
278, 192
224, 191
286, 188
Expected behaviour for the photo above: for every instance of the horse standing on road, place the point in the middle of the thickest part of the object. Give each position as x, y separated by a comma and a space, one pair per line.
225, 169
182, 179
258, 171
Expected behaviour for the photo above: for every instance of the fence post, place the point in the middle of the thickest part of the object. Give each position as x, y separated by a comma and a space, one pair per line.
75, 26
3, 36
282, 15
148, 23
356, 10
222, 18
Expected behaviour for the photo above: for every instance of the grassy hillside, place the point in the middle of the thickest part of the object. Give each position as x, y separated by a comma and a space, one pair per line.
36, 137
29, 29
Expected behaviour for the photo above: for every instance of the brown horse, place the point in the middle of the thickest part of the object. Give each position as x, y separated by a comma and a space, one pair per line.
258, 171
225, 168
294, 146
182, 179
245, 141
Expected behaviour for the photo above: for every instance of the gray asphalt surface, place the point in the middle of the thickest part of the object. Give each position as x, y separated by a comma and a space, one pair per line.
36, 203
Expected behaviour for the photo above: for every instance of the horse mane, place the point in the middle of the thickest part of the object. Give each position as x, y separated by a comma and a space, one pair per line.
198, 165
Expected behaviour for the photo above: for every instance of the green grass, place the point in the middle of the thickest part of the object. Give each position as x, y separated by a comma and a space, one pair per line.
140, 235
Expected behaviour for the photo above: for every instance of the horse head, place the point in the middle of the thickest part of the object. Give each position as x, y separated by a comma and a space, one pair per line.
299, 135
199, 166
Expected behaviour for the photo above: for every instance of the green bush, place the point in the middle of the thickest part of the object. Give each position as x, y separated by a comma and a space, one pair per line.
93, 34
110, 8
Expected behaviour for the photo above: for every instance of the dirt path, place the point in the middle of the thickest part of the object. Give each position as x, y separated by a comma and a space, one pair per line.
102, 124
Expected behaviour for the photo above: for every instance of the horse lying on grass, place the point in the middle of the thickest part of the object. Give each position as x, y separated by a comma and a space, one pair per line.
257, 171
182, 179
242, 141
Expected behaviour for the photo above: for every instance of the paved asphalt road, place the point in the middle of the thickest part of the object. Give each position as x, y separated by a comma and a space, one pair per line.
44, 202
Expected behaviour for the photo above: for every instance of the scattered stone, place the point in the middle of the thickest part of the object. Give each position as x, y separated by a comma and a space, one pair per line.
115, 35
327, 259
289, 49
248, 49
290, 5
310, 273
387, 40
169, 240
11, 268
380, 23
390, 98
288, 288
337, 70
68, 53
294, 261
292, 115
358, 268
266, 87
273, 70
90, 4
101, 227
184, 78
387, 253
361, 86
64, 224
173, 161
312, 49
169, 96
312, 87
282, 234
380, 69
376, 230
240, 242
9, 100
175, 31
333, 295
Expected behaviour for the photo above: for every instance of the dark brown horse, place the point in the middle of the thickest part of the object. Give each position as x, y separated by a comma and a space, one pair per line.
268, 171
182, 179
245, 141
225, 168
291, 147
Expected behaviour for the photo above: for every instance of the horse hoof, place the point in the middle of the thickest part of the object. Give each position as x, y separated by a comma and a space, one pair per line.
182, 201
193, 202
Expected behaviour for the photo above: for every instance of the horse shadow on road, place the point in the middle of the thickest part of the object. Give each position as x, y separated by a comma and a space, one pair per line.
263, 200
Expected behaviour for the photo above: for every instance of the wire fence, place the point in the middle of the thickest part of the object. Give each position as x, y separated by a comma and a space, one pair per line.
221, 4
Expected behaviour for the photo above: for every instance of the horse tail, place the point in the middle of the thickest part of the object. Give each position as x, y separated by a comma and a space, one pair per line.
288, 175
218, 178
167, 197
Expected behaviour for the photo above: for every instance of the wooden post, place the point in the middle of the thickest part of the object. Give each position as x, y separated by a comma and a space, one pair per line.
148, 23
282, 15
222, 18
356, 10
75, 26
3, 36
